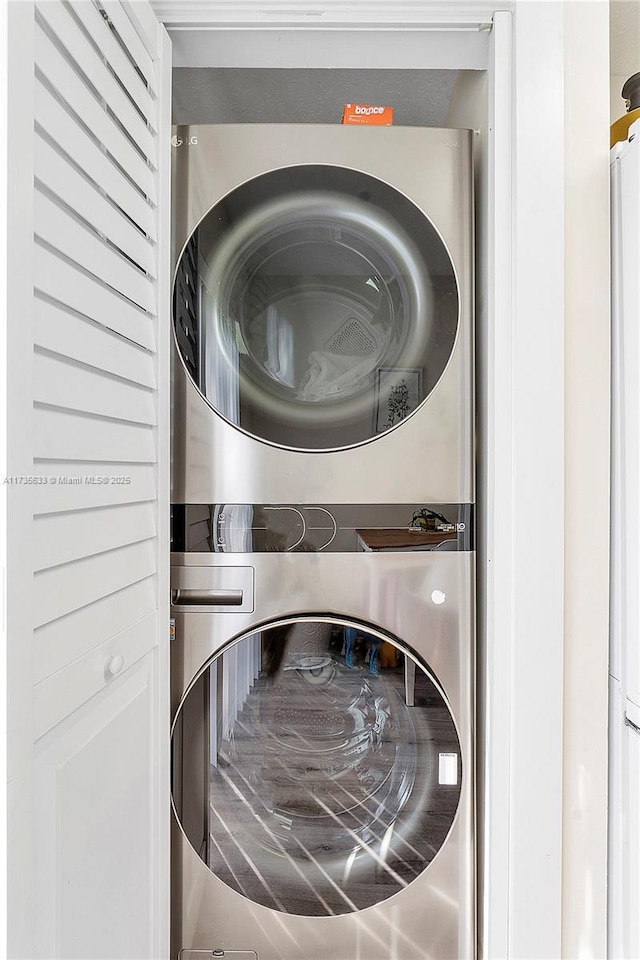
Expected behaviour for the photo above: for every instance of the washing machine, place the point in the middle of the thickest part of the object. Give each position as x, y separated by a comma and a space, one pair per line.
322, 544
322, 314
323, 784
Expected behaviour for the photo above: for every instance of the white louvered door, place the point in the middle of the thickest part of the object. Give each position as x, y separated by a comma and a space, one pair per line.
87, 497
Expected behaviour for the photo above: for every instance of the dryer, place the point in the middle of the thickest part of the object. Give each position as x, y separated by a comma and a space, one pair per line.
322, 314
323, 740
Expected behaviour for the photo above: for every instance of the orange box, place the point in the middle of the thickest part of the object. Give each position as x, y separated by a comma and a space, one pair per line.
367, 113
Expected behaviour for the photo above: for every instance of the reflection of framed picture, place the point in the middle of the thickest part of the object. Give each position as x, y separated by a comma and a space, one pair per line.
398, 393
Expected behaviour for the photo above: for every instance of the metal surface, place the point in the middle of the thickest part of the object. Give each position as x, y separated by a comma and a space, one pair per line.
429, 456
229, 588
330, 527
392, 213
222, 954
425, 602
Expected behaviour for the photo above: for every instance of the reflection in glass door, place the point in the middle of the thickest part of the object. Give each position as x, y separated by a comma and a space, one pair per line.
220, 357
327, 307
317, 767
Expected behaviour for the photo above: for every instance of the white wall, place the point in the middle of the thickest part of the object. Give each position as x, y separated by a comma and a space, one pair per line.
586, 546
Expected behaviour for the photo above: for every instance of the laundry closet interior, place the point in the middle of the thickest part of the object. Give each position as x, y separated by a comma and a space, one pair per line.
457, 71
320, 277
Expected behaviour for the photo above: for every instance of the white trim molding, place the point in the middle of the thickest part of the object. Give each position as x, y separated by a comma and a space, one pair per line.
496, 496
534, 587
350, 34
331, 48
587, 437
357, 14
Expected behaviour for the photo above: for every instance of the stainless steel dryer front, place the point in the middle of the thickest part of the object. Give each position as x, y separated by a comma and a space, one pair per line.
322, 314
323, 762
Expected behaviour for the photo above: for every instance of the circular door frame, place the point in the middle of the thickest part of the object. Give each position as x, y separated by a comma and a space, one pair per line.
380, 634
254, 389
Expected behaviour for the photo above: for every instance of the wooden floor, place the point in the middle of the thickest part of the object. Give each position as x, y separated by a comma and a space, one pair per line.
326, 797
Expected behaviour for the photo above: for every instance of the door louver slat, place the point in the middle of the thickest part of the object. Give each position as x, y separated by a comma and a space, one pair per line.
83, 245
86, 60
62, 435
58, 73
62, 128
59, 330
133, 83
64, 537
65, 383
62, 641
63, 589
130, 39
87, 294
65, 498
66, 182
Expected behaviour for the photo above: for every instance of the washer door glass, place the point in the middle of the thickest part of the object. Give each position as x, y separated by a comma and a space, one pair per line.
315, 307
317, 767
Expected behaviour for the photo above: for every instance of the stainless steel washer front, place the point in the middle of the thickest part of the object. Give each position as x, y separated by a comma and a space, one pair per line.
323, 760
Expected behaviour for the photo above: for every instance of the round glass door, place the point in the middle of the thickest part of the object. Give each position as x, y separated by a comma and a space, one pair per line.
315, 307
317, 767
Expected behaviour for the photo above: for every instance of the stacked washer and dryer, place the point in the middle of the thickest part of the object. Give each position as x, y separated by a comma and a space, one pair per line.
323, 556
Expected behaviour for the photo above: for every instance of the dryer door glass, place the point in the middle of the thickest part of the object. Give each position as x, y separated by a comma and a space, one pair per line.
315, 307
317, 767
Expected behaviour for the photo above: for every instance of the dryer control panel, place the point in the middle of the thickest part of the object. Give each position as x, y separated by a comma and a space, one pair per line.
336, 528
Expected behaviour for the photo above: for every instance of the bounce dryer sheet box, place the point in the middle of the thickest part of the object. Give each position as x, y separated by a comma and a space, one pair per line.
366, 113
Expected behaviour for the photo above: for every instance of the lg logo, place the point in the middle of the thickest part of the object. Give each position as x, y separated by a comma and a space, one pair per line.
177, 142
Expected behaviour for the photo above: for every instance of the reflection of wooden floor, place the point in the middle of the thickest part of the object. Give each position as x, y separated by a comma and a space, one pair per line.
326, 799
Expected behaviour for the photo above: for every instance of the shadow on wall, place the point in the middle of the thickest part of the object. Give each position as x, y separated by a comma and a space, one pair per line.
226, 95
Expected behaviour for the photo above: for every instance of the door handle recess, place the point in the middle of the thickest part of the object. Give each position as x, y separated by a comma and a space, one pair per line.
202, 597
